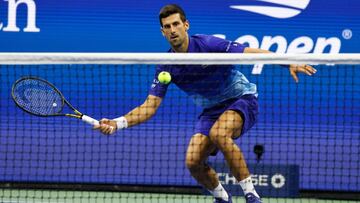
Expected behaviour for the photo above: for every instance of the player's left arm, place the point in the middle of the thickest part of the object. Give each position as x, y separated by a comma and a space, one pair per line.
293, 68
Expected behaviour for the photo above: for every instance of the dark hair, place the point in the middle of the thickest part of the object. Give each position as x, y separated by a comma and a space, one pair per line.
170, 9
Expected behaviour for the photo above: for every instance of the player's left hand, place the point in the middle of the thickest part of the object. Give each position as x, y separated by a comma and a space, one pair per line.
307, 69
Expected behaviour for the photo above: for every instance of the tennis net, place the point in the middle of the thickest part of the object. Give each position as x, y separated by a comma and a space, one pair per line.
306, 139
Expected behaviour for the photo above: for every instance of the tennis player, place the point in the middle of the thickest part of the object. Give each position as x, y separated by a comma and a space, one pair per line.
229, 101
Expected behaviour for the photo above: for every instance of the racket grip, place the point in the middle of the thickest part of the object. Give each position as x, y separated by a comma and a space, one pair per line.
89, 120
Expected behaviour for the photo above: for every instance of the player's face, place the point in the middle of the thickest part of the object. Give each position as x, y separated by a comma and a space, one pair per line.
175, 30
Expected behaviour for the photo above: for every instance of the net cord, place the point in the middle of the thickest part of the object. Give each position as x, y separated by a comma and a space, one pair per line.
178, 58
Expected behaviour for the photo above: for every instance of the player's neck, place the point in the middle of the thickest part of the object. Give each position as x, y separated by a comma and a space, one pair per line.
183, 48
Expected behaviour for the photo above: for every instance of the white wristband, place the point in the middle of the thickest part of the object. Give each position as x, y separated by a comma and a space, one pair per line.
121, 122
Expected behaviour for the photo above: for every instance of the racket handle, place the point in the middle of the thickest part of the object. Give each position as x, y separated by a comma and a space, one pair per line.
89, 120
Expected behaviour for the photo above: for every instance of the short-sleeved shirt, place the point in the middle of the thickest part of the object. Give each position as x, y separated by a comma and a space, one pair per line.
207, 85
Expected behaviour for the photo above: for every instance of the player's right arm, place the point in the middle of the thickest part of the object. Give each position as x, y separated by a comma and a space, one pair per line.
136, 116
143, 112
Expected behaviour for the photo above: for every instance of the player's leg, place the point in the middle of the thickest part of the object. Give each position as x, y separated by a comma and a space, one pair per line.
197, 153
229, 126
225, 129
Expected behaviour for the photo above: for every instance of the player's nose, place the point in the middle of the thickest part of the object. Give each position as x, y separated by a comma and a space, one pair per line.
172, 29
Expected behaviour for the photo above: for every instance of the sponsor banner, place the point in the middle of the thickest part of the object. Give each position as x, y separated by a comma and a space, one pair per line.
283, 26
277, 8
269, 180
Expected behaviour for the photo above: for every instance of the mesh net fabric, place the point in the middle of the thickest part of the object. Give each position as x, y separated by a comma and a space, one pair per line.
313, 125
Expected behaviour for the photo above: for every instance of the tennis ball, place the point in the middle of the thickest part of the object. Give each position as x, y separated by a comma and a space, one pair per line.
164, 77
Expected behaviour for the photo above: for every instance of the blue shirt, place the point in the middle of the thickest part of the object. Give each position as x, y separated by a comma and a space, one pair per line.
207, 85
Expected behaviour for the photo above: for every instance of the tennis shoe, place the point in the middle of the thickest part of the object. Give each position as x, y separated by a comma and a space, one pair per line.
251, 198
219, 200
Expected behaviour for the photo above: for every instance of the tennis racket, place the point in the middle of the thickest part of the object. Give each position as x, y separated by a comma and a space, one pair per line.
41, 98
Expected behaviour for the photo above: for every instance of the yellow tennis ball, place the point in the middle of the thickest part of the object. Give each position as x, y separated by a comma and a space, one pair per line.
164, 77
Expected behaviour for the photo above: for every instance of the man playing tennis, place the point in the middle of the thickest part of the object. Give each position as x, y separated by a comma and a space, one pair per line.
228, 98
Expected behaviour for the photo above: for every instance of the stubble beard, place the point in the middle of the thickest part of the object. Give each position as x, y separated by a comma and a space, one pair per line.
176, 43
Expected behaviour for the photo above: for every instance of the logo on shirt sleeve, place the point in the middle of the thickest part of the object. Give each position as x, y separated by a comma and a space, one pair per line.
155, 82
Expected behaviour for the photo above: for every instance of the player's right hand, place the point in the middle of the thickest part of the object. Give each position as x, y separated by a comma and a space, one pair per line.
106, 126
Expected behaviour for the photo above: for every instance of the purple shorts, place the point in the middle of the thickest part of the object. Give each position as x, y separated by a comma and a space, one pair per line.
246, 106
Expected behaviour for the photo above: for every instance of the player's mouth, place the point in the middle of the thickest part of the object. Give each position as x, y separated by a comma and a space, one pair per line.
174, 37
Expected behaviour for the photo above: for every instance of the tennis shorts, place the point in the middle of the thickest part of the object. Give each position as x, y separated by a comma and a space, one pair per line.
246, 106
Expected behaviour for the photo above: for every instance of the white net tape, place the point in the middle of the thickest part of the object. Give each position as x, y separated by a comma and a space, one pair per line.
178, 58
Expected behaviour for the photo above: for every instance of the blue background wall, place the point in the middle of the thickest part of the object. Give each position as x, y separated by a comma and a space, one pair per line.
132, 26
314, 124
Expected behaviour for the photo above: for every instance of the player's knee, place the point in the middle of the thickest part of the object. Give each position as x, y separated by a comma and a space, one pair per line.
193, 165
218, 135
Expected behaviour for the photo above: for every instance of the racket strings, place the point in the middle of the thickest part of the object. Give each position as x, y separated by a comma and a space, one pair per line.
38, 97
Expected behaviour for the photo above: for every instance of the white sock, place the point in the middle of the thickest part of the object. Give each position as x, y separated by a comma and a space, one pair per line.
220, 192
248, 186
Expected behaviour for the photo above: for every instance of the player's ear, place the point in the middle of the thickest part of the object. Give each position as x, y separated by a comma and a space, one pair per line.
162, 31
187, 25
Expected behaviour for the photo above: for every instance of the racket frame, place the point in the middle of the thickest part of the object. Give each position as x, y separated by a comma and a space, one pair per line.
77, 114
